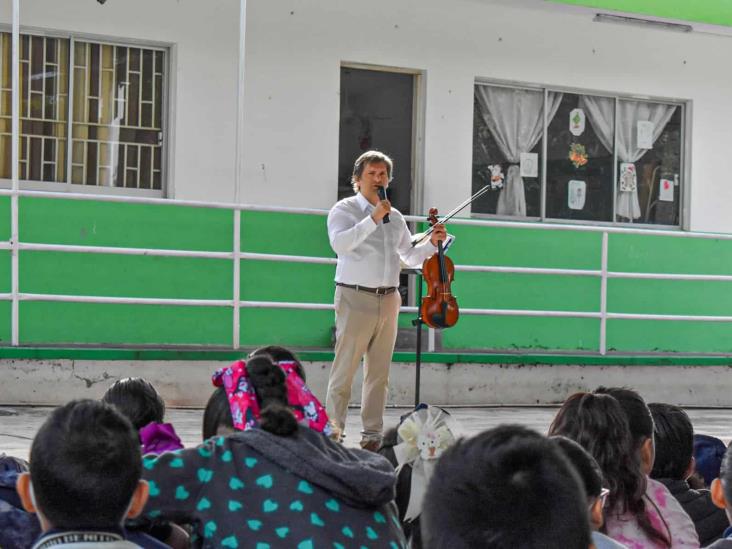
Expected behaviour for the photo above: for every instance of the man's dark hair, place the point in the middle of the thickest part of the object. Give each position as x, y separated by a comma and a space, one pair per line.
505, 488
138, 401
674, 436
85, 464
370, 157
585, 465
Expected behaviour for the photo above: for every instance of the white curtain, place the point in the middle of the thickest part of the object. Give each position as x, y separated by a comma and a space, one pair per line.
515, 119
601, 113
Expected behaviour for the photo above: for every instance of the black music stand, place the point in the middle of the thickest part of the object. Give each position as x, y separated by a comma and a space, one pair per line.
418, 323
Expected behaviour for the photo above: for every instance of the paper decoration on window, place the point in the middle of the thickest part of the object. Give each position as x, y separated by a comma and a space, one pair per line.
577, 122
666, 190
628, 179
496, 181
576, 194
529, 165
578, 155
645, 134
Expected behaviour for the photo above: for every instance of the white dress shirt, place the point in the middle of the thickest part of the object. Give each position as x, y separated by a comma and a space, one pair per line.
369, 253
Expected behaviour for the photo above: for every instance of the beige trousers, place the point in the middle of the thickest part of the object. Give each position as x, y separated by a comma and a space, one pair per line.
366, 327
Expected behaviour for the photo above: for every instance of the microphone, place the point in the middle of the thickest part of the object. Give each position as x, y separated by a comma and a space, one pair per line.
382, 196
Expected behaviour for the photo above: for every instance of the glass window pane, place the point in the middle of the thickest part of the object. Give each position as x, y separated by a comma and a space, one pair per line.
649, 157
508, 124
580, 137
128, 112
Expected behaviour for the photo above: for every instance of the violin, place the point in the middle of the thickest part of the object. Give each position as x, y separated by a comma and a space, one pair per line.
439, 308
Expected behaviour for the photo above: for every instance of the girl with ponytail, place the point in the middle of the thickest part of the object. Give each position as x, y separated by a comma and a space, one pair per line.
267, 473
635, 515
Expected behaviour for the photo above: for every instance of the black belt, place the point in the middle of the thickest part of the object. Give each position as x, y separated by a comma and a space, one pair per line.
384, 290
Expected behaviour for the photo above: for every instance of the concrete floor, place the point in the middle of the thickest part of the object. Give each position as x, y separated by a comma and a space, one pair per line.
19, 424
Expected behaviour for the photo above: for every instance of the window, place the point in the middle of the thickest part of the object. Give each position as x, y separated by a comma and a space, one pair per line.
550, 154
114, 120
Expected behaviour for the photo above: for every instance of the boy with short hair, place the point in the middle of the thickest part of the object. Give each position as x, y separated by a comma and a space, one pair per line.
84, 480
591, 475
505, 488
674, 464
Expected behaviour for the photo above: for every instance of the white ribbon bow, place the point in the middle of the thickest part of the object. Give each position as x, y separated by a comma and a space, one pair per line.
423, 437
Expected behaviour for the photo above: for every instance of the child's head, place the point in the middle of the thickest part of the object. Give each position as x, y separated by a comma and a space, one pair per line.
268, 381
280, 354
708, 454
591, 476
599, 423
137, 399
722, 486
507, 487
85, 469
640, 422
674, 435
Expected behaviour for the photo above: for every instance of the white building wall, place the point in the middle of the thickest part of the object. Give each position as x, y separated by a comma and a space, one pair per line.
295, 49
204, 40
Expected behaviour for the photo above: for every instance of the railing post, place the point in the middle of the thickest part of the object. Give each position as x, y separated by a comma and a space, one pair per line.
15, 133
603, 294
237, 276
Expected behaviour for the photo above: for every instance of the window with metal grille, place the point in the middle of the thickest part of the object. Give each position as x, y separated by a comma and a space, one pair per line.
114, 120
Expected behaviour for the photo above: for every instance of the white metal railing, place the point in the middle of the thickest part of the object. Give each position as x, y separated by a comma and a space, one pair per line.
236, 256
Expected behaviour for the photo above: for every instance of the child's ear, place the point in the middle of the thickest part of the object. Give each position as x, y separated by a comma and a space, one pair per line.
139, 499
23, 487
718, 494
690, 468
648, 455
596, 517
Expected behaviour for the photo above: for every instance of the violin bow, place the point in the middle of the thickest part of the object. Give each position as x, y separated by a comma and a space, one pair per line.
419, 238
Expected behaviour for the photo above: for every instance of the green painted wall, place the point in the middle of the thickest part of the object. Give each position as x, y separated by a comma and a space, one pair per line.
715, 12
63, 221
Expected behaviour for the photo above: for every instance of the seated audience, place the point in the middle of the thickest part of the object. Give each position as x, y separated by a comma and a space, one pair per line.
722, 497
591, 476
674, 464
138, 400
18, 528
506, 488
640, 513
276, 480
681, 531
708, 454
413, 448
85, 467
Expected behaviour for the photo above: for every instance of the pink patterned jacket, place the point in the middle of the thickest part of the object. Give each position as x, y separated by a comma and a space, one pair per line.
665, 514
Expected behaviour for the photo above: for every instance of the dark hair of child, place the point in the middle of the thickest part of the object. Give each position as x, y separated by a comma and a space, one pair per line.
599, 424
674, 435
137, 399
85, 465
280, 354
268, 380
507, 487
639, 416
585, 465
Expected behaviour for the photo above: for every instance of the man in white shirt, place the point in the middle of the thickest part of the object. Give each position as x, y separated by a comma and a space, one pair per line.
367, 300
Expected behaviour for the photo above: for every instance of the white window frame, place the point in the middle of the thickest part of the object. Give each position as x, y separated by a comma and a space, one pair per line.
684, 168
166, 115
